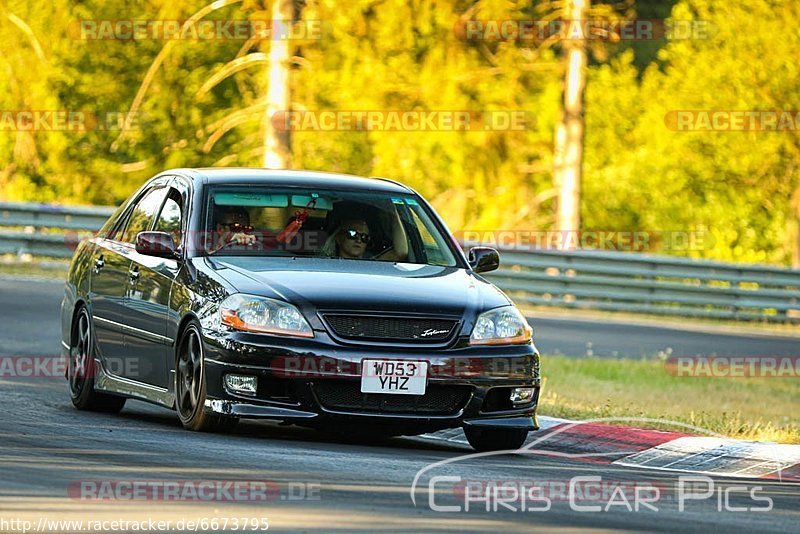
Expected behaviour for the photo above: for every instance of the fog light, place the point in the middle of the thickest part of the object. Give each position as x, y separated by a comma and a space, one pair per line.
521, 395
246, 385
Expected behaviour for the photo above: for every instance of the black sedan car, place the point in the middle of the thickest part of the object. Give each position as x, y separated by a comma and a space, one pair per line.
322, 300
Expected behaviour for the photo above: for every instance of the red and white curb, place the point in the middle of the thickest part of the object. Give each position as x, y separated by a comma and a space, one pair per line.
726, 457
655, 449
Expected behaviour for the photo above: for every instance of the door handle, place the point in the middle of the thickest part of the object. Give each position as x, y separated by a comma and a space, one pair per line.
99, 263
133, 274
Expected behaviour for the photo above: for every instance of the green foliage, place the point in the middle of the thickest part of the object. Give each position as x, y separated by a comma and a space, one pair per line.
734, 187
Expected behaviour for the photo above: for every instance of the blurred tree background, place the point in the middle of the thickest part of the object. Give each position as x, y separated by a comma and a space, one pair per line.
201, 103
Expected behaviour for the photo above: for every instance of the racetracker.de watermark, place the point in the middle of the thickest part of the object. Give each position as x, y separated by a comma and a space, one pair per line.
32, 367
13, 367
403, 120
738, 120
65, 120
586, 29
263, 241
618, 240
194, 30
193, 490
323, 367
734, 366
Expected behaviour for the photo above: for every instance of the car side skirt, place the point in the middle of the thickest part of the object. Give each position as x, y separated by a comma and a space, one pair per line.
109, 383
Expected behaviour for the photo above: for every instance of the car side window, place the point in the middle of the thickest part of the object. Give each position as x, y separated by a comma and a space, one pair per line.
142, 214
171, 217
432, 247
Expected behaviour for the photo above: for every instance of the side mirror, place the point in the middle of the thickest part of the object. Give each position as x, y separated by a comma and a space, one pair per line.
158, 244
483, 259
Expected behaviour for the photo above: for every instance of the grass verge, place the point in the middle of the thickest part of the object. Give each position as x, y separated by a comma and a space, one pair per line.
54, 270
762, 409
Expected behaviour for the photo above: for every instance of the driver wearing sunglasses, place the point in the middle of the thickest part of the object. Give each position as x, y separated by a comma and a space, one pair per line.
352, 238
233, 226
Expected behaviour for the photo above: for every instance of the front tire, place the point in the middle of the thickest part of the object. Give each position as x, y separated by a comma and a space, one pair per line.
81, 370
190, 386
495, 439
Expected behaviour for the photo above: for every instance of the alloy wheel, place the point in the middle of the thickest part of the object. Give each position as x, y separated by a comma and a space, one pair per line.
190, 373
80, 355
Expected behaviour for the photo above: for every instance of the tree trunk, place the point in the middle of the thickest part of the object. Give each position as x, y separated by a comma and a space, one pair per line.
794, 229
277, 147
568, 153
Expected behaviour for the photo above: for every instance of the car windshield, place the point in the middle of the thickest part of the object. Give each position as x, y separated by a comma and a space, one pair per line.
356, 225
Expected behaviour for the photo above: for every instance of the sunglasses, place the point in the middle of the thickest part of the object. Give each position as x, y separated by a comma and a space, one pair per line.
354, 235
237, 227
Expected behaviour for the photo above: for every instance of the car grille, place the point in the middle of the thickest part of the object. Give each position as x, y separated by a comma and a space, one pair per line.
398, 329
343, 395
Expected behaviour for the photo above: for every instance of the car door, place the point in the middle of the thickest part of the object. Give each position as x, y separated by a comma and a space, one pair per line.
110, 275
147, 348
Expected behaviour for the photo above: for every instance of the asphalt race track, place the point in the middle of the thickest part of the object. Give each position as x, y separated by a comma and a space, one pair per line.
582, 337
54, 458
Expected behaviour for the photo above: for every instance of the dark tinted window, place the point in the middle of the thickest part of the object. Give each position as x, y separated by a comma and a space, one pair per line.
141, 216
361, 225
169, 220
112, 224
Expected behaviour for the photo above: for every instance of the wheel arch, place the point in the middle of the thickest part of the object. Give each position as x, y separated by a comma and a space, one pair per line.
80, 303
184, 322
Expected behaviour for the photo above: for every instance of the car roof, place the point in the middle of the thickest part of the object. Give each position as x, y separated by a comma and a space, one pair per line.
290, 178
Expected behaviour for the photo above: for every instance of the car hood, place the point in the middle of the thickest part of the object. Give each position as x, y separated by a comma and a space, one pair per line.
351, 285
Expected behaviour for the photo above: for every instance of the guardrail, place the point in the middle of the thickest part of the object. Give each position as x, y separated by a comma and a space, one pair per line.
30, 228
595, 280
641, 283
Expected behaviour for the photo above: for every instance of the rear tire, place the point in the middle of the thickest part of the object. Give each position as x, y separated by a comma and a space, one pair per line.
81, 369
495, 439
190, 385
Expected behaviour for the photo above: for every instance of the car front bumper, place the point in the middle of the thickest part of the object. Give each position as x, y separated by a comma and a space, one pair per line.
316, 382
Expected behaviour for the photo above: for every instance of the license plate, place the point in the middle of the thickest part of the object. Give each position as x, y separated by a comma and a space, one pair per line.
398, 377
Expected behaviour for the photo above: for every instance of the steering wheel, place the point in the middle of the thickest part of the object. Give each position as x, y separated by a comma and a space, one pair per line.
383, 252
229, 243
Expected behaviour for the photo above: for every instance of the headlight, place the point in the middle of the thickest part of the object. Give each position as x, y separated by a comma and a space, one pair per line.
501, 326
260, 314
